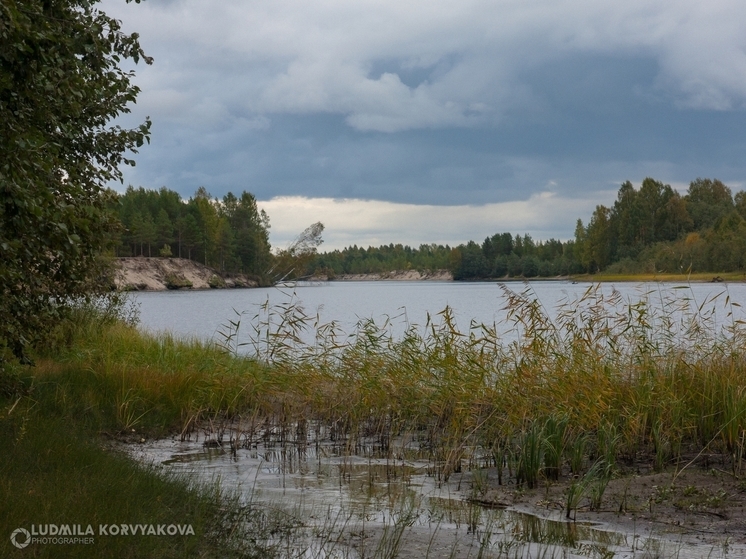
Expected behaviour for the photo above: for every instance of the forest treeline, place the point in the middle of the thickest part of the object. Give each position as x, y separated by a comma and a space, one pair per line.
652, 229
655, 229
230, 235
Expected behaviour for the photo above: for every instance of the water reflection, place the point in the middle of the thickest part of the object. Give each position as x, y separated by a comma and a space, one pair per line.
347, 499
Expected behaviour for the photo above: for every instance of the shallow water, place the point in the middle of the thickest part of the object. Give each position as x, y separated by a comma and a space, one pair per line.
368, 500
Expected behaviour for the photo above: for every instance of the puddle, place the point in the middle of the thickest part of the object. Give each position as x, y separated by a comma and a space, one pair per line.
379, 502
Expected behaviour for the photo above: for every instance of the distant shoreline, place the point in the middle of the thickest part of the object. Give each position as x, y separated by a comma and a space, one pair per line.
445, 275
393, 275
161, 274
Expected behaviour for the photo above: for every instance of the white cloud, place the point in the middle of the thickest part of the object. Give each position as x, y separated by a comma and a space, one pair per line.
373, 222
294, 56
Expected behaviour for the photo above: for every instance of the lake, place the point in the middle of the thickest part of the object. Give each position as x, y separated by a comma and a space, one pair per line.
203, 314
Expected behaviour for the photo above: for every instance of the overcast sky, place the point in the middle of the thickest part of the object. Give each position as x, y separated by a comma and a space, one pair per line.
437, 121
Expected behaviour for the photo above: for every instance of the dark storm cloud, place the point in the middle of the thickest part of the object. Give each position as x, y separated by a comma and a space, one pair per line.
441, 103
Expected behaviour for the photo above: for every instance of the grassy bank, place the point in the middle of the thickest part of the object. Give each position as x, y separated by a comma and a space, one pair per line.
59, 466
604, 387
703, 277
53, 472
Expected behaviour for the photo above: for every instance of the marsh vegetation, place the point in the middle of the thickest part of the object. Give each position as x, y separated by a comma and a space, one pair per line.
604, 389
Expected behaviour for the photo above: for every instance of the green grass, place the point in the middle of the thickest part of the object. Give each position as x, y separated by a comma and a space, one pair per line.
53, 472
102, 379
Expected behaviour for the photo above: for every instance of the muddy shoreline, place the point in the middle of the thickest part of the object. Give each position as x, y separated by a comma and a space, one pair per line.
692, 511
697, 505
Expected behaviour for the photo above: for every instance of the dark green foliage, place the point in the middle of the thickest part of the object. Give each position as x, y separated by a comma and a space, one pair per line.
517, 257
707, 201
231, 234
358, 260
515, 266
473, 263
530, 267
60, 86
494, 258
500, 267
655, 213
654, 229
11, 384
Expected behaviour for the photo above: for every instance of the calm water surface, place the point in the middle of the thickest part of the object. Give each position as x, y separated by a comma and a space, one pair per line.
203, 314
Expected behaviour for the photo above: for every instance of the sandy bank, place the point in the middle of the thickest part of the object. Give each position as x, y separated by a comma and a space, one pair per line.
159, 274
